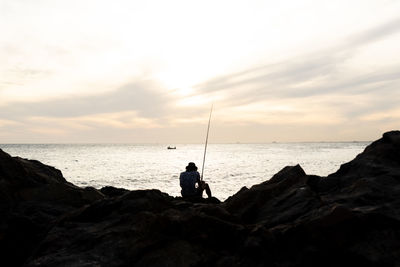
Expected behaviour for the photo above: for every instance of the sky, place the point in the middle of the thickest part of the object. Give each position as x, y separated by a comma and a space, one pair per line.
93, 71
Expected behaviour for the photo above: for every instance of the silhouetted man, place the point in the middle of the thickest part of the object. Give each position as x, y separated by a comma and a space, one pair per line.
188, 181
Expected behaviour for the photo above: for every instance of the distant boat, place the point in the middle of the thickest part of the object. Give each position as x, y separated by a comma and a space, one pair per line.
170, 147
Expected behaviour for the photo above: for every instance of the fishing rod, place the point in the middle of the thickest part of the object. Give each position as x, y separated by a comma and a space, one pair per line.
205, 148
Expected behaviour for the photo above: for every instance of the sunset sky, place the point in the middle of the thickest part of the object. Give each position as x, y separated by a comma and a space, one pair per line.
93, 71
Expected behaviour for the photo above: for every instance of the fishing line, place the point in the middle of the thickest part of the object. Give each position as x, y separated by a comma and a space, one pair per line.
205, 148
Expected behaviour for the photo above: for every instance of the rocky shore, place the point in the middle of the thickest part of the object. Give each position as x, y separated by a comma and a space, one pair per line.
349, 218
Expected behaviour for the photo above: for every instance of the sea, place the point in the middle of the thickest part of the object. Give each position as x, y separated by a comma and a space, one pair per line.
227, 168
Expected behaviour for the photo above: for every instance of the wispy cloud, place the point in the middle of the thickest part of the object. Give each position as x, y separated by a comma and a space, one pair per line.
320, 74
143, 97
375, 34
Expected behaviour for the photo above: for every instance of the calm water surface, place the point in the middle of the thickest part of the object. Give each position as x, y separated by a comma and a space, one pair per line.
228, 166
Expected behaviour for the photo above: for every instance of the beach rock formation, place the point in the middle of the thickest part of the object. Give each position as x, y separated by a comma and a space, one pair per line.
349, 218
32, 197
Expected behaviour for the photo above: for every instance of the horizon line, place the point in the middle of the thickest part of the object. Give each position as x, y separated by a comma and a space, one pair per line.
193, 143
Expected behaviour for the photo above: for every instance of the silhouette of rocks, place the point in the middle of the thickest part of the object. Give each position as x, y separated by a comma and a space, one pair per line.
32, 197
30, 180
349, 218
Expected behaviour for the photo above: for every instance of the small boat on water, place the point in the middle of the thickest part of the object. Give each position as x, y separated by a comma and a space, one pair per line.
171, 147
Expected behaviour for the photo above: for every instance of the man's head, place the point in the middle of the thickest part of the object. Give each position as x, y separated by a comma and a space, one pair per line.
191, 167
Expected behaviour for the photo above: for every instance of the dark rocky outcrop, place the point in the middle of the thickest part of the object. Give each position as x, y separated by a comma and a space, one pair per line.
32, 197
23, 180
349, 218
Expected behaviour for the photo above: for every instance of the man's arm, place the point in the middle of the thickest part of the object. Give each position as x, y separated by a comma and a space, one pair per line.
198, 178
180, 179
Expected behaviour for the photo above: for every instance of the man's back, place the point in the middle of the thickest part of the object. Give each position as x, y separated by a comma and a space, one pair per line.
188, 180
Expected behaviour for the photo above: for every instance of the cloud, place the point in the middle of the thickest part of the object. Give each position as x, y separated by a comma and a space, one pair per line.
4, 123
117, 120
391, 114
374, 34
22, 75
145, 97
325, 76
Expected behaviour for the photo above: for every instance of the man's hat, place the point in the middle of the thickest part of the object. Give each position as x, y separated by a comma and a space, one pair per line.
191, 167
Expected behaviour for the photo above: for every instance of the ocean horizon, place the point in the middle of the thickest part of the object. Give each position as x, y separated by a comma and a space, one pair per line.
228, 167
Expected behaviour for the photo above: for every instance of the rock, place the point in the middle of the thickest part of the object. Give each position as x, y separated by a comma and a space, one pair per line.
288, 175
143, 228
111, 191
281, 199
371, 180
32, 197
379, 159
349, 218
30, 180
